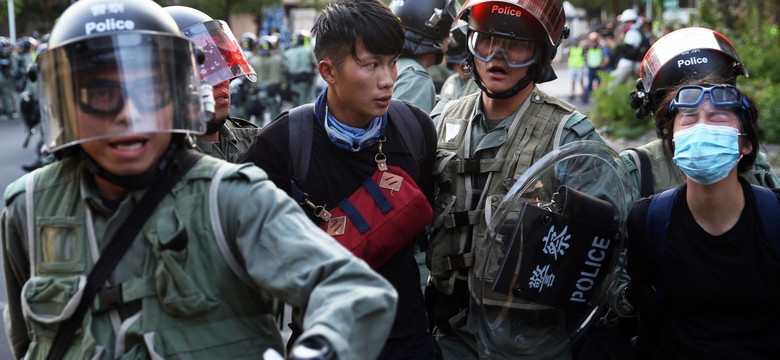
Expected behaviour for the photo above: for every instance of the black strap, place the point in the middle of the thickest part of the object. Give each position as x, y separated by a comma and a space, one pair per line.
645, 173
411, 132
117, 247
300, 135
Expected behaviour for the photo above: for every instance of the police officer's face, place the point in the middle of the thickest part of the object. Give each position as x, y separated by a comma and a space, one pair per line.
136, 118
359, 89
221, 100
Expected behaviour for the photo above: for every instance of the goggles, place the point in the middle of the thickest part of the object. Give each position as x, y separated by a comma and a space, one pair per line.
107, 97
691, 96
517, 53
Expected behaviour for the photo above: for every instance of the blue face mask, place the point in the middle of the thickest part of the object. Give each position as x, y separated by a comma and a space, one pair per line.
707, 153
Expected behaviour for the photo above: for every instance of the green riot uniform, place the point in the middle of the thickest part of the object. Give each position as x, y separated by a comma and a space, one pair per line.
270, 77
235, 135
439, 74
456, 87
666, 175
477, 165
179, 297
414, 84
300, 68
7, 83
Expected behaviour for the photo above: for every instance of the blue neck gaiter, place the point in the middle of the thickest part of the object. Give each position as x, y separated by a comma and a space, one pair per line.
347, 137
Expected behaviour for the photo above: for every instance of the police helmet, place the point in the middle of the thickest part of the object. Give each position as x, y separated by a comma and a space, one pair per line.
5, 46
26, 44
223, 57
248, 41
457, 50
426, 23
539, 21
628, 15
680, 56
297, 39
265, 45
116, 59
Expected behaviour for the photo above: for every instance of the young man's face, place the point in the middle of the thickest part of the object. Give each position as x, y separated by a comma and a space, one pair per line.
104, 110
360, 90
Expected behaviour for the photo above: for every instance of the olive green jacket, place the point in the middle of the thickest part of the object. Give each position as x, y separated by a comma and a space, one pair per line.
180, 297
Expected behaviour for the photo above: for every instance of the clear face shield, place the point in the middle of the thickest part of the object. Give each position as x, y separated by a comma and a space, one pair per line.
117, 85
224, 59
516, 52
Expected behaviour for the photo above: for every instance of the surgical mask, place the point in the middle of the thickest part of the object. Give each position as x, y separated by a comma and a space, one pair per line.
707, 153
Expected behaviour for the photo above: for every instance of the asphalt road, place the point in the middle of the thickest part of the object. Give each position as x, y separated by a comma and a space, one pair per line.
12, 157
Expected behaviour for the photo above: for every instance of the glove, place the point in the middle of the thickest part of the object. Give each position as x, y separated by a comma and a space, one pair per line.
313, 348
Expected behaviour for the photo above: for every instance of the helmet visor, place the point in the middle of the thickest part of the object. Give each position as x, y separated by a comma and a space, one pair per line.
116, 85
667, 51
516, 52
224, 59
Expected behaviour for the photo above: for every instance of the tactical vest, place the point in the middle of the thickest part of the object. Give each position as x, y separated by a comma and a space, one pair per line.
459, 224
192, 304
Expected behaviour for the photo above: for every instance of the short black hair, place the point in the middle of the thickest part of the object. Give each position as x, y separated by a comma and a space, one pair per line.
343, 22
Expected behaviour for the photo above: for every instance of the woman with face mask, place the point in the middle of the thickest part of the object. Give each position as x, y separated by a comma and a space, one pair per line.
704, 268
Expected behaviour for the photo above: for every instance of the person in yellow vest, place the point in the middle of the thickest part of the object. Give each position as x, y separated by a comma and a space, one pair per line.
596, 58
134, 246
576, 64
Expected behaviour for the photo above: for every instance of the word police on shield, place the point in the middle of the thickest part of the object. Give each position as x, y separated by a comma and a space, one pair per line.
566, 250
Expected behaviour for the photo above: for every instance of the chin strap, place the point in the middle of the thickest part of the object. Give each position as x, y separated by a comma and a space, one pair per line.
140, 181
214, 126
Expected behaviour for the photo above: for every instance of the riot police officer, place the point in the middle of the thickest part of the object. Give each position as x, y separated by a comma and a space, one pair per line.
194, 281
224, 61
300, 67
426, 24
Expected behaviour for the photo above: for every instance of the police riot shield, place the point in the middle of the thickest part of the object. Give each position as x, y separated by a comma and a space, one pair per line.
553, 245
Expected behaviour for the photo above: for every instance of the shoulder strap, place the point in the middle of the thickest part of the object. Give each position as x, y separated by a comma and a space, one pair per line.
567, 122
116, 248
768, 206
300, 134
658, 215
642, 161
410, 129
216, 225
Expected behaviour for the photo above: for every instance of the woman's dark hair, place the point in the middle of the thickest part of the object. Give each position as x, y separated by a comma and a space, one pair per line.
748, 117
343, 22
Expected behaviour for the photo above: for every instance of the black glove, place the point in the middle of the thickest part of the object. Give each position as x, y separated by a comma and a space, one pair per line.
313, 348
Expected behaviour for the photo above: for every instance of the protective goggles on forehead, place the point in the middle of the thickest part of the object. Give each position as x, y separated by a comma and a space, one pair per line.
517, 53
691, 96
107, 97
